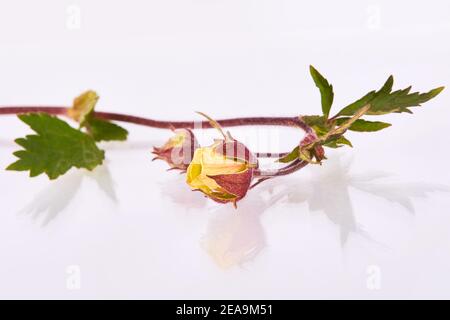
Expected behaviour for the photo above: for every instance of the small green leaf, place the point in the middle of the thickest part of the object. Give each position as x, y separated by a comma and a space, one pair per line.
102, 130
326, 90
361, 125
55, 148
318, 123
314, 120
83, 112
338, 142
291, 156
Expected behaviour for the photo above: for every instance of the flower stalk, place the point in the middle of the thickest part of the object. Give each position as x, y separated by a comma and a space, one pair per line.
223, 171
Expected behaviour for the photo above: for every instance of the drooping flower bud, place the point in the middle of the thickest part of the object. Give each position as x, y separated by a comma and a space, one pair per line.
178, 150
316, 151
83, 106
222, 171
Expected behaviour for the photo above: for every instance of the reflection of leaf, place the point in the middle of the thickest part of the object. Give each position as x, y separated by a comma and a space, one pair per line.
397, 192
58, 195
54, 199
328, 191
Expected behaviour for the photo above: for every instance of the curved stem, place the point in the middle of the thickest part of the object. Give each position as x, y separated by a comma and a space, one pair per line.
233, 122
296, 122
291, 168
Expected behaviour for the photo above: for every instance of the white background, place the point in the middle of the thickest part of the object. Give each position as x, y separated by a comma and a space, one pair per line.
372, 222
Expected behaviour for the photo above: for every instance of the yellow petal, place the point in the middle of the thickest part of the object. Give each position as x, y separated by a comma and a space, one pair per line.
206, 162
217, 164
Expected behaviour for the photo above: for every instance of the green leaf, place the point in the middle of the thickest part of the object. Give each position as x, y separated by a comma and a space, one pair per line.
102, 130
400, 100
338, 142
291, 156
361, 125
318, 123
83, 112
358, 104
385, 101
55, 148
326, 90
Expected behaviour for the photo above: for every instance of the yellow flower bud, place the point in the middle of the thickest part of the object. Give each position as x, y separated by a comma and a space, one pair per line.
222, 171
83, 105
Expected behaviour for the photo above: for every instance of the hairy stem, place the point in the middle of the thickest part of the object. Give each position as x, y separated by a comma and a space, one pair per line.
290, 168
295, 122
233, 122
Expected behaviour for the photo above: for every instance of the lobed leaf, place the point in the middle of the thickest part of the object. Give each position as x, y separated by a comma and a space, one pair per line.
56, 148
385, 101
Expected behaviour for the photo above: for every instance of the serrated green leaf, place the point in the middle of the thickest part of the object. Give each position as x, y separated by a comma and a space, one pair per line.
385, 101
102, 130
55, 148
326, 90
400, 100
361, 125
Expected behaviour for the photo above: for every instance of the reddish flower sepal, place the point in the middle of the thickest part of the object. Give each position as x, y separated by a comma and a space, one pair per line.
317, 151
178, 150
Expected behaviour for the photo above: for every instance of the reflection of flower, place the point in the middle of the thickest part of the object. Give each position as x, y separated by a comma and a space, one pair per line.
233, 239
178, 150
222, 171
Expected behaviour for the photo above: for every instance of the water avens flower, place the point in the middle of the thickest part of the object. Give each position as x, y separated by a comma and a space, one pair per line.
178, 150
222, 171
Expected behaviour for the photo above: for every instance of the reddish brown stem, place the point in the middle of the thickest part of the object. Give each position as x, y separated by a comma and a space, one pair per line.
233, 122
291, 168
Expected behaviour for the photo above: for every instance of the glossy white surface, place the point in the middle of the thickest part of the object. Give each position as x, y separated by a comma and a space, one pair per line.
372, 222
